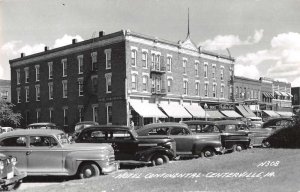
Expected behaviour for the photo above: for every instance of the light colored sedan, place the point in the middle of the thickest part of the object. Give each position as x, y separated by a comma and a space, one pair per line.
48, 152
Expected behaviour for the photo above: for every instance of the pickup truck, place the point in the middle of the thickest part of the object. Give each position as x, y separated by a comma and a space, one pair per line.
129, 147
188, 144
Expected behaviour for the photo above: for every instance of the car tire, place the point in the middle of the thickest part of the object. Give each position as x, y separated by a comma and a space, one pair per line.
208, 152
14, 186
237, 147
88, 170
159, 159
266, 144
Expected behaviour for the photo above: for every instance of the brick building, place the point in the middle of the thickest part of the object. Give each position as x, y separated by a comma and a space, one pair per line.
118, 78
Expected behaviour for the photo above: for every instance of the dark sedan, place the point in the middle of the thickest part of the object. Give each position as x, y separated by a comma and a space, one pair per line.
278, 123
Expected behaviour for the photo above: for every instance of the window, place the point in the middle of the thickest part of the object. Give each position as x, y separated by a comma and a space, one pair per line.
206, 89
184, 66
19, 95
196, 69
169, 85
94, 61
169, 64
109, 114
50, 69
26, 94
205, 69
214, 90
222, 91
108, 58
158, 84
42, 141
18, 76
152, 60
38, 116
80, 64
65, 111
222, 74
237, 92
37, 73
65, 67
51, 119
134, 82
213, 71
157, 62
133, 57
145, 83
185, 87
14, 142
108, 82
50, 87
37, 92
178, 131
26, 70
197, 88
65, 88
80, 86
95, 84
145, 59
95, 113
80, 113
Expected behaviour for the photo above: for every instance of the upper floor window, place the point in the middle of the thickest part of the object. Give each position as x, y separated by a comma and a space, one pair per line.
157, 62
134, 82
152, 60
197, 85
145, 83
80, 86
205, 69
26, 94
197, 69
95, 84
65, 67
26, 70
51, 119
95, 113
108, 82
50, 87
37, 73
19, 95
222, 73
108, 58
80, 64
38, 115
65, 88
158, 84
109, 114
213, 71
145, 59
169, 64
184, 66
37, 92
214, 90
169, 82
94, 61
80, 113
50, 69
206, 89
222, 91
133, 57
18, 76
185, 87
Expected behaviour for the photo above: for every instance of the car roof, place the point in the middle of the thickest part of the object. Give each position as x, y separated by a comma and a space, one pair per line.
108, 127
198, 122
226, 122
173, 124
32, 132
41, 124
87, 122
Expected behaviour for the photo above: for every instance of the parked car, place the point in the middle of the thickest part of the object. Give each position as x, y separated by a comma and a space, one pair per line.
81, 125
279, 122
10, 177
233, 133
42, 125
255, 122
128, 146
48, 152
6, 129
187, 143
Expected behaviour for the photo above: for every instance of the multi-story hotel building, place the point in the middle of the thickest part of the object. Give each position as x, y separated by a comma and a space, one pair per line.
119, 78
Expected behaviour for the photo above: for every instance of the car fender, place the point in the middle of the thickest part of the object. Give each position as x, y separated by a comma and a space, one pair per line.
147, 154
200, 145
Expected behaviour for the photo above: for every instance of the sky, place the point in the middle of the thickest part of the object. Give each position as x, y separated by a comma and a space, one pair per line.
262, 35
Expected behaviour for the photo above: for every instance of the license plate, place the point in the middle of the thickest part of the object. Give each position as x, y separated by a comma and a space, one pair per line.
10, 175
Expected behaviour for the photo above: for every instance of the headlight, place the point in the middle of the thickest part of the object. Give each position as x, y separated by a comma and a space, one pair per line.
169, 144
1, 165
14, 161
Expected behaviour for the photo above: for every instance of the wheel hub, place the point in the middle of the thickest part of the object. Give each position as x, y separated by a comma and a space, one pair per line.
159, 161
88, 173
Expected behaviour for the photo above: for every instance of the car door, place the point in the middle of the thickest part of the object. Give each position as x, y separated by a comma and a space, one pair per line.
184, 140
16, 146
44, 155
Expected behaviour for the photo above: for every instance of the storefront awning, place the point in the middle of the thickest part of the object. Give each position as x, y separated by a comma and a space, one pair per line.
277, 93
271, 96
243, 111
214, 114
285, 113
175, 110
230, 113
195, 110
147, 109
271, 113
284, 94
251, 114
290, 95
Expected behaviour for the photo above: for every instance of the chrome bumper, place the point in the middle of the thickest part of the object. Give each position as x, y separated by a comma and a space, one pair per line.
111, 168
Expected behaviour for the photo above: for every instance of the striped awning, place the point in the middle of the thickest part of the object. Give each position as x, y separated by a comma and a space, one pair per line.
175, 110
195, 110
147, 109
290, 94
230, 113
284, 94
214, 114
277, 93
271, 113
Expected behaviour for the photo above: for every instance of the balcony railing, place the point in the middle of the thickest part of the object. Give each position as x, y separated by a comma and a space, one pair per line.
154, 91
158, 69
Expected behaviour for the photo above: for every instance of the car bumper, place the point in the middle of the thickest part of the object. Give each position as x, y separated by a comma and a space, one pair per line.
15, 179
220, 150
111, 168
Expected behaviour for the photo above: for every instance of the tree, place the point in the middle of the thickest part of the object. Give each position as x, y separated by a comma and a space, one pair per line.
7, 116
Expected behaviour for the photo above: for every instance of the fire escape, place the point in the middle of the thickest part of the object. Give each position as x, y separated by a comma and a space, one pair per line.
158, 76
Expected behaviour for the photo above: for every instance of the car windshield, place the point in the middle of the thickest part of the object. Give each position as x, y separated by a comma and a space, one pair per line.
62, 138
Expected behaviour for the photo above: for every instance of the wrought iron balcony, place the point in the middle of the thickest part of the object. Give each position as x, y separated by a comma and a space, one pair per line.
158, 69
154, 91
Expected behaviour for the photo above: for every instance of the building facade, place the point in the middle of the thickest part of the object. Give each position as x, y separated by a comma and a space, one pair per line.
115, 78
5, 90
282, 96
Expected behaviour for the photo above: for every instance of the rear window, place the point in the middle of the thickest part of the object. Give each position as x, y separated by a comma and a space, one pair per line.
159, 131
14, 142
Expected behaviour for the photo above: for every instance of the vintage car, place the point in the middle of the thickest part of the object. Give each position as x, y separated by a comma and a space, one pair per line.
42, 125
10, 177
81, 125
6, 129
187, 143
279, 122
255, 122
232, 132
48, 152
129, 148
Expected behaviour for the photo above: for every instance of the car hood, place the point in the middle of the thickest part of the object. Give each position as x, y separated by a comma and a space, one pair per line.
154, 138
88, 146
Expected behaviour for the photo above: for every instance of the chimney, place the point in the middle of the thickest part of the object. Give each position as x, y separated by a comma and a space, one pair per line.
22, 55
46, 48
74, 41
101, 33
